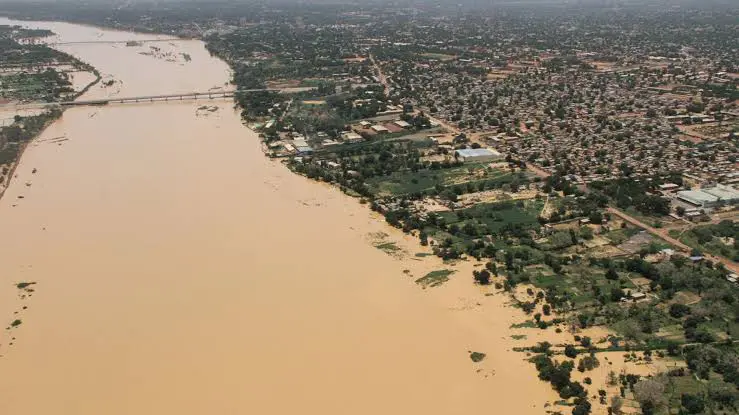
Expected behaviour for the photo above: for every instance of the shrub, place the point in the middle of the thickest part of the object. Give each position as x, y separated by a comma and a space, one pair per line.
570, 351
482, 277
693, 404
679, 310
585, 341
588, 363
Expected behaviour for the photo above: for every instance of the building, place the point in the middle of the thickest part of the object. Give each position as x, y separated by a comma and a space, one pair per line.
379, 129
697, 198
304, 149
667, 187
478, 155
710, 197
726, 194
637, 295
351, 137
402, 124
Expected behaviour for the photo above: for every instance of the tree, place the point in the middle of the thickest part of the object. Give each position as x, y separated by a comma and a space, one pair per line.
585, 341
650, 393
693, 404
547, 309
673, 348
586, 233
588, 363
482, 277
678, 310
570, 351
424, 238
582, 408
611, 274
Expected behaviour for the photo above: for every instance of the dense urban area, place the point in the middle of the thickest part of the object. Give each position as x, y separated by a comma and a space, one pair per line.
585, 157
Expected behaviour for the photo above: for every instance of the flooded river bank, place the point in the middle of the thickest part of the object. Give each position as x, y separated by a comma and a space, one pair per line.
177, 270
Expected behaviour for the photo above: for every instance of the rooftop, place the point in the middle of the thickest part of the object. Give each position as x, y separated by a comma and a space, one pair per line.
477, 152
723, 192
698, 196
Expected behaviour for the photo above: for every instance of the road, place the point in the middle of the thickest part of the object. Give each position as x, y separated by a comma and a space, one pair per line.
380, 75
663, 234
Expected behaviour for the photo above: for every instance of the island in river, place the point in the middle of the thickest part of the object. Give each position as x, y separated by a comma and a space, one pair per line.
176, 269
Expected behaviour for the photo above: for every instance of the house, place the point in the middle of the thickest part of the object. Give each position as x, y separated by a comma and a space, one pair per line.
304, 149
379, 129
695, 216
478, 155
668, 187
351, 137
300, 143
365, 124
637, 295
402, 124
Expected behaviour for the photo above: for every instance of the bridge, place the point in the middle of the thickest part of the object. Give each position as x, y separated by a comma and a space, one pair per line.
113, 42
151, 98
166, 97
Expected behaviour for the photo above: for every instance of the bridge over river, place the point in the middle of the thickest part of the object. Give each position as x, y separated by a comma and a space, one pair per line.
182, 96
115, 42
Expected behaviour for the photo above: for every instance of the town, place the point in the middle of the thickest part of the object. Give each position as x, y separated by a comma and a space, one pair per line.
584, 159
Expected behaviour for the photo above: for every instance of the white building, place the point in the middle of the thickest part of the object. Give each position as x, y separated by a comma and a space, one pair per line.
478, 155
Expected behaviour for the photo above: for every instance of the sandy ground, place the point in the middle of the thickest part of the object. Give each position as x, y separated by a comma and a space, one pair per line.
178, 270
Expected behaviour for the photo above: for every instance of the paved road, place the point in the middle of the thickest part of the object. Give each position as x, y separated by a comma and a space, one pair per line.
663, 234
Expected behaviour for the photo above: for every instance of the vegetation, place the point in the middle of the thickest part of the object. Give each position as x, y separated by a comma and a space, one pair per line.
477, 356
434, 278
719, 239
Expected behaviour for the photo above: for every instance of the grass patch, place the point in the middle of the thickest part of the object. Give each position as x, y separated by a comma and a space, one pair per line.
620, 236
434, 278
403, 182
423, 254
493, 217
518, 336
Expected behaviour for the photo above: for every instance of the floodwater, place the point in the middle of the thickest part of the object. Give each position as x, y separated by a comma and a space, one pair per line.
179, 271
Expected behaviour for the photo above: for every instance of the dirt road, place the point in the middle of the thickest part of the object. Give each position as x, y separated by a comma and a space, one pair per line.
380, 75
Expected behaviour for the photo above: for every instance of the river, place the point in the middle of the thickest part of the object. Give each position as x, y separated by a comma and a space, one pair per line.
179, 271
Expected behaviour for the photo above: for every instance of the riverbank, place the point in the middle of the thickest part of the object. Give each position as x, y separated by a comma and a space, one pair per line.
47, 116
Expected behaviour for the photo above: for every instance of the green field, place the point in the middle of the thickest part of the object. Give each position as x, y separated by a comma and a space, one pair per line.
495, 216
404, 182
